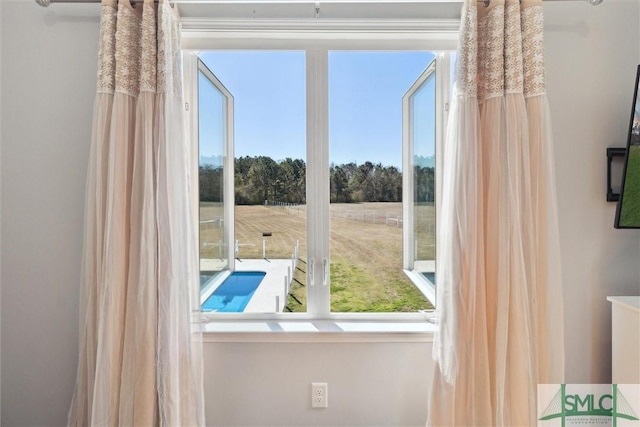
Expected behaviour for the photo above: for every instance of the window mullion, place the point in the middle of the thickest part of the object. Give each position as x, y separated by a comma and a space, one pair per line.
318, 295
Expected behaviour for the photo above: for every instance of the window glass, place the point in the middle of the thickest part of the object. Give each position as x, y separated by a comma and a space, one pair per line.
373, 244
365, 150
269, 92
212, 135
422, 105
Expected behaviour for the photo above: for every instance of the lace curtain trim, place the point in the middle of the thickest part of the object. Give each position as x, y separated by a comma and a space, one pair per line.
169, 55
139, 53
491, 54
107, 49
149, 48
513, 72
128, 49
533, 50
502, 52
467, 62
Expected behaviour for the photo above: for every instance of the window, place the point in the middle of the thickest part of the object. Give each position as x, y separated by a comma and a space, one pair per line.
366, 173
318, 168
215, 134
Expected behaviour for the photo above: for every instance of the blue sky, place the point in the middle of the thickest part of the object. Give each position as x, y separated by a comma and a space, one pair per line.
365, 103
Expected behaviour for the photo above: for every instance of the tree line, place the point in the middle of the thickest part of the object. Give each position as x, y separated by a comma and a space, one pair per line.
260, 178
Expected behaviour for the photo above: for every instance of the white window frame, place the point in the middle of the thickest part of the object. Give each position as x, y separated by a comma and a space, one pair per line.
317, 38
192, 67
441, 68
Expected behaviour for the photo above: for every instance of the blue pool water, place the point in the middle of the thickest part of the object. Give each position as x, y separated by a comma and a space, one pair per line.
431, 277
204, 279
234, 293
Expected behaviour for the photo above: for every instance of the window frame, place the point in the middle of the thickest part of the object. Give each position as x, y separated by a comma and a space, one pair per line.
442, 70
317, 38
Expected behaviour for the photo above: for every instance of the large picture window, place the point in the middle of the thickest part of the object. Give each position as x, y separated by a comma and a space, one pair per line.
318, 178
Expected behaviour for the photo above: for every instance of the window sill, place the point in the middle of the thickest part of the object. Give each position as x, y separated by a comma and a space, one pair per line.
318, 331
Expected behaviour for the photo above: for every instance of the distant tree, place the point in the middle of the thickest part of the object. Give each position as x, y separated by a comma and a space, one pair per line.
210, 183
424, 184
241, 180
392, 184
339, 185
261, 178
291, 175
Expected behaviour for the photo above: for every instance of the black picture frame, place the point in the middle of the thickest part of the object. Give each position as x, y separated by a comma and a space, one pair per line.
628, 209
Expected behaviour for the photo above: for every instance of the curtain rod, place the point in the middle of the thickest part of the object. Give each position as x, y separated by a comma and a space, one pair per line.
46, 3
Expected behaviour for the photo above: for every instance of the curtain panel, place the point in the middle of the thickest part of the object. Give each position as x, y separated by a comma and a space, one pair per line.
139, 361
499, 303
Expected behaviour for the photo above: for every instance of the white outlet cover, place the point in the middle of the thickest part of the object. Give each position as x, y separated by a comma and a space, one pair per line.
319, 395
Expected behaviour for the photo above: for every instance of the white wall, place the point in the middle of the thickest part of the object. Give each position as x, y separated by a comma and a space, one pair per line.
48, 85
48, 79
268, 384
0, 210
591, 57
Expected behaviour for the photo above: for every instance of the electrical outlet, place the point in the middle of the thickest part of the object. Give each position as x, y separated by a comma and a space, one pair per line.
319, 395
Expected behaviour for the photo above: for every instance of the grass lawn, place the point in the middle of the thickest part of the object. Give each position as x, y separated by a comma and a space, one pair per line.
366, 253
630, 209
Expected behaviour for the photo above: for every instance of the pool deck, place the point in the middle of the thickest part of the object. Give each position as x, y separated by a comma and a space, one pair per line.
264, 299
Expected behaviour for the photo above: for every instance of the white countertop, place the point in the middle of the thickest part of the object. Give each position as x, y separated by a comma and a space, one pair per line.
631, 302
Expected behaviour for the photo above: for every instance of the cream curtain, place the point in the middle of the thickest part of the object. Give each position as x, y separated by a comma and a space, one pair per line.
139, 362
499, 306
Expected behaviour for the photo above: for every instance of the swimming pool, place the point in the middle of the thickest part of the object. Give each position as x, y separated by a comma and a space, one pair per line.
234, 293
205, 278
430, 277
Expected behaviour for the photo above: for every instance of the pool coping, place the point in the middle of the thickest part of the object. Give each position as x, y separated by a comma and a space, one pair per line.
272, 285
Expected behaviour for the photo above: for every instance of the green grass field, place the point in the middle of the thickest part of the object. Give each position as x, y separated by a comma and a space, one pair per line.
630, 209
366, 252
